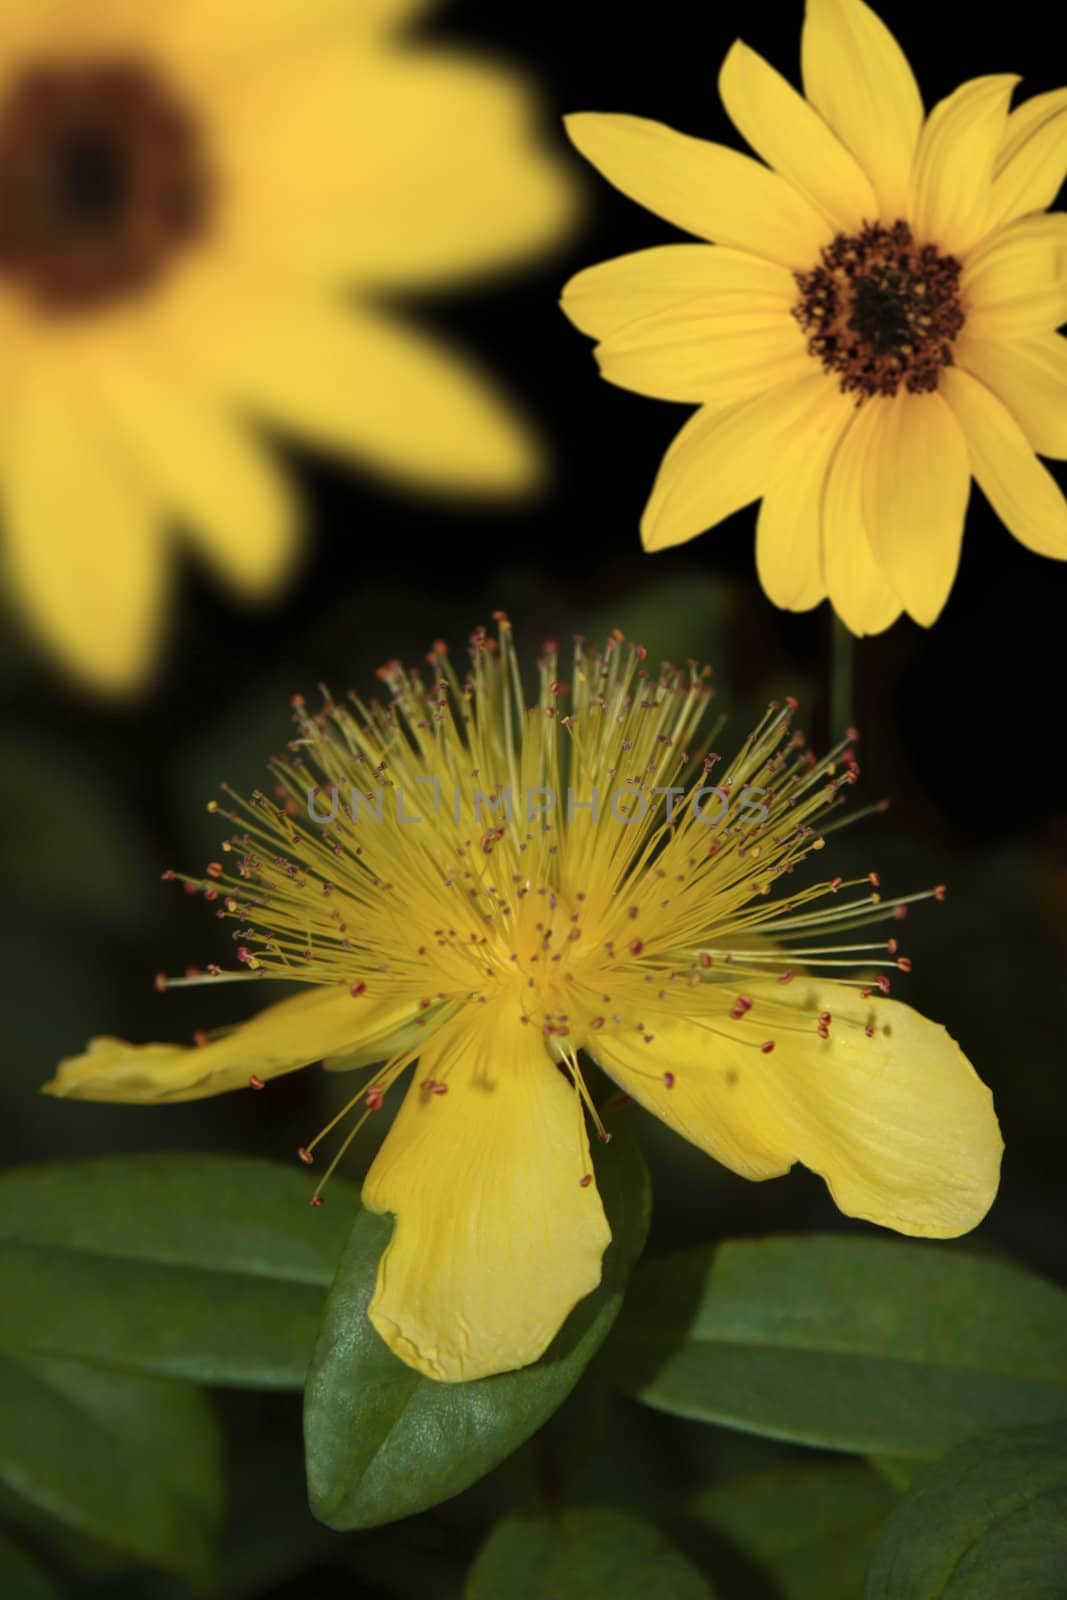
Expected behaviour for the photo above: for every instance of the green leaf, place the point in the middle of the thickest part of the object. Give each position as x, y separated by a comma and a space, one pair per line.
21, 1576
988, 1522
584, 1554
383, 1441
132, 1461
199, 1267
811, 1528
856, 1343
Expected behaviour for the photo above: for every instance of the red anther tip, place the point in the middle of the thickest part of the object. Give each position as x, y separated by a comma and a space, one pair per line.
244, 953
374, 1097
825, 1018
852, 733
297, 702
768, 1047
835, 884
744, 1002
583, 1183
642, 651
823, 1031
900, 913
865, 994
892, 946
604, 1136
357, 989
704, 959
874, 880
168, 875
940, 891
159, 982
883, 805
787, 976
869, 1031
792, 702
214, 869
316, 1200
256, 1082
636, 946
597, 1022
306, 1157
883, 984
904, 963
200, 1038
668, 1080
500, 616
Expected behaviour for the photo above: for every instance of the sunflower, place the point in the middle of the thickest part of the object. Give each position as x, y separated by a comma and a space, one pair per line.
873, 326
187, 194
487, 890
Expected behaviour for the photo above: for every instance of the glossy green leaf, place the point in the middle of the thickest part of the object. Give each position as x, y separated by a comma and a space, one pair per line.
131, 1461
21, 1575
810, 1528
383, 1441
989, 1522
588, 1553
857, 1343
199, 1267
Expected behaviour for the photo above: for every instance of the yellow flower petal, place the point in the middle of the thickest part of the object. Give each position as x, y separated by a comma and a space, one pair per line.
603, 299
84, 550
280, 1039
709, 350
898, 1124
915, 500
1016, 284
1032, 158
704, 188
789, 557
350, 379
955, 161
495, 1238
1022, 492
458, 182
204, 465
783, 128
1030, 377
720, 461
859, 590
858, 78
241, 28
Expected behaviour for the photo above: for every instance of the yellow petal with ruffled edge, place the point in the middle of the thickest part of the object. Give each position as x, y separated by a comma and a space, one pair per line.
898, 1124
496, 1237
291, 1034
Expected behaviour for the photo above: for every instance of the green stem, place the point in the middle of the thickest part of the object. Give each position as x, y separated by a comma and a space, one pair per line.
842, 679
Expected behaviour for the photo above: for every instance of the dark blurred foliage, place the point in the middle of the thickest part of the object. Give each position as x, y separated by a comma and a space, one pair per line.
962, 726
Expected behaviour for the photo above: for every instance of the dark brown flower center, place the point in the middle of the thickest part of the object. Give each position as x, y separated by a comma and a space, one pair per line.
881, 311
102, 181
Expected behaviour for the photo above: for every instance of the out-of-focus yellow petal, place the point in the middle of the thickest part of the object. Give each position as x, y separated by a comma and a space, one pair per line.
859, 590
496, 1238
604, 299
789, 557
248, 28
704, 188
858, 78
1030, 377
302, 1029
445, 175
955, 161
84, 550
1016, 284
1032, 158
783, 128
898, 1124
714, 350
205, 467
915, 500
352, 379
720, 461
1022, 492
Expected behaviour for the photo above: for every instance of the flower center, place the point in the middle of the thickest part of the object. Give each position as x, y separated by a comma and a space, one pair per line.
102, 181
881, 311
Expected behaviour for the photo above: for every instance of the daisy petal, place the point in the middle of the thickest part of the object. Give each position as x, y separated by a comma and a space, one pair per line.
897, 1124
1022, 492
720, 461
1032, 159
955, 161
1030, 377
1017, 283
351, 379
280, 1039
859, 590
915, 500
789, 134
85, 553
496, 1238
704, 188
603, 299
858, 78
709, 351
789, 526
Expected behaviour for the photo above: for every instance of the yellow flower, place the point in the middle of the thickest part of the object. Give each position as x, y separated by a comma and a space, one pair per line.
873, 325
489, 890
189, 196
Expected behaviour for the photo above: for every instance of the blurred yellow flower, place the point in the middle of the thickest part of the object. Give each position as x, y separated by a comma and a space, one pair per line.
187, 193
489, 889
874, 324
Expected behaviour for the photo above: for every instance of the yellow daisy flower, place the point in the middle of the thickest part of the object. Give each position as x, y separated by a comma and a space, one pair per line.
488, 890
188, 192
873, 326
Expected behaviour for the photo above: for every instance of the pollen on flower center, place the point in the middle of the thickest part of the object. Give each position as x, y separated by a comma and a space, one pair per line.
102, 180
881, 311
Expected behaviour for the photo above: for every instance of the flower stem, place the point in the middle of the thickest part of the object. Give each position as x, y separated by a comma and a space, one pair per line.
842, 679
